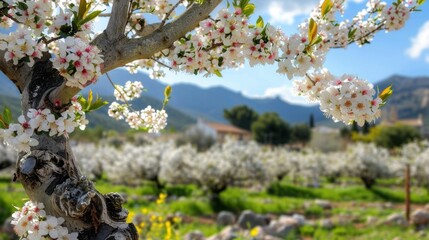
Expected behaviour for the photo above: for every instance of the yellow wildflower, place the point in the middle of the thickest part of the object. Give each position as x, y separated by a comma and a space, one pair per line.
254, 232
145, 211
130, 217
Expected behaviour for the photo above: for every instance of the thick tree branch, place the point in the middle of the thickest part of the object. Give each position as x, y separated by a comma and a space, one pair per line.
148, 29
119, 51
118, 19
128, 50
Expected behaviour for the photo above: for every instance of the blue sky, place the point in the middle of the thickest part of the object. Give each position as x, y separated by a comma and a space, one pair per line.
390, 53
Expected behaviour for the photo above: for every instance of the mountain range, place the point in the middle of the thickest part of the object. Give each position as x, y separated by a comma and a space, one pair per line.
189, 102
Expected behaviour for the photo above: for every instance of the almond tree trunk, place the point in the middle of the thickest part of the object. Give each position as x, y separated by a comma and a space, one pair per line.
50, 175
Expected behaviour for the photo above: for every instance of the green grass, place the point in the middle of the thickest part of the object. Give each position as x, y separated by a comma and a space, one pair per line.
279, 198
348, 232
350, 193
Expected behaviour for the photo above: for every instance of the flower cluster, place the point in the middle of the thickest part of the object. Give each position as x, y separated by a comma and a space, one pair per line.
5, 22
151, 119
20, 46
298, 57
346, 98
31, 222
160, 8
77, 61
396, 15
154, 68
225, 42
19, 135
130, 91
33, 14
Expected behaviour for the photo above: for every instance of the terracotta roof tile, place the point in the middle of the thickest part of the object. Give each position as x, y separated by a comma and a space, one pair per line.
225, 128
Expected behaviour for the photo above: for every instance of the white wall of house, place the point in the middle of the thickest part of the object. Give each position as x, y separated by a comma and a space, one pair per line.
206, 129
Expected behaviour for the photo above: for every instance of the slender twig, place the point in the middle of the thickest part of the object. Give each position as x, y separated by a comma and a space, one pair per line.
309, 78
117, 89
46, 41
12, 18
369, 33
161, 63
169, 13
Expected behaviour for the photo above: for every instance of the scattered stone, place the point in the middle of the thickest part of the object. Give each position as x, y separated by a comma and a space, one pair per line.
268, 237
225, 218
323, 204
420, 218
396, 219
387, 205
300, 219
282, 227
194, 235
326, 223
344, 219
229, 233
287, 220
249, 220
371, 220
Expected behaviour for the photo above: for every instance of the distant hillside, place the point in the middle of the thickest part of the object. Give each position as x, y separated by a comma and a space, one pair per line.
410, 96
177, 119
209, 103
190, 102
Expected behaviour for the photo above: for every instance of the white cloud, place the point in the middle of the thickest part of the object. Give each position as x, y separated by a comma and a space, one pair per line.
420, 42
287, 93
287, 11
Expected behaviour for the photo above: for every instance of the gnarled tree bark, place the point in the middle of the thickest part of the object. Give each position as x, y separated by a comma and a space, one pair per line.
49, 173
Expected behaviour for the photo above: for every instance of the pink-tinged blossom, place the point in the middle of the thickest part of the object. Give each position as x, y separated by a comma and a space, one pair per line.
85, 61
31, 223
20, 135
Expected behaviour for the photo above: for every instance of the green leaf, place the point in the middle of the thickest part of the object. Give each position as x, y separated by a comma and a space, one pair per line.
420, 2
83, 102
249, 9
167, 91
167, 95
7, 115
90, 98
227, 4
218, 73
386, 93
6, 118
352, 33
244, 3
326, 7
99, 102
22, 6
3, 124
312, 31
82, 9
90, 17
318, 40
260, 22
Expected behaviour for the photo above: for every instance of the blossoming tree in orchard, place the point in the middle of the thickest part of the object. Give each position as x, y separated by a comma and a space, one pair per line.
51, 54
